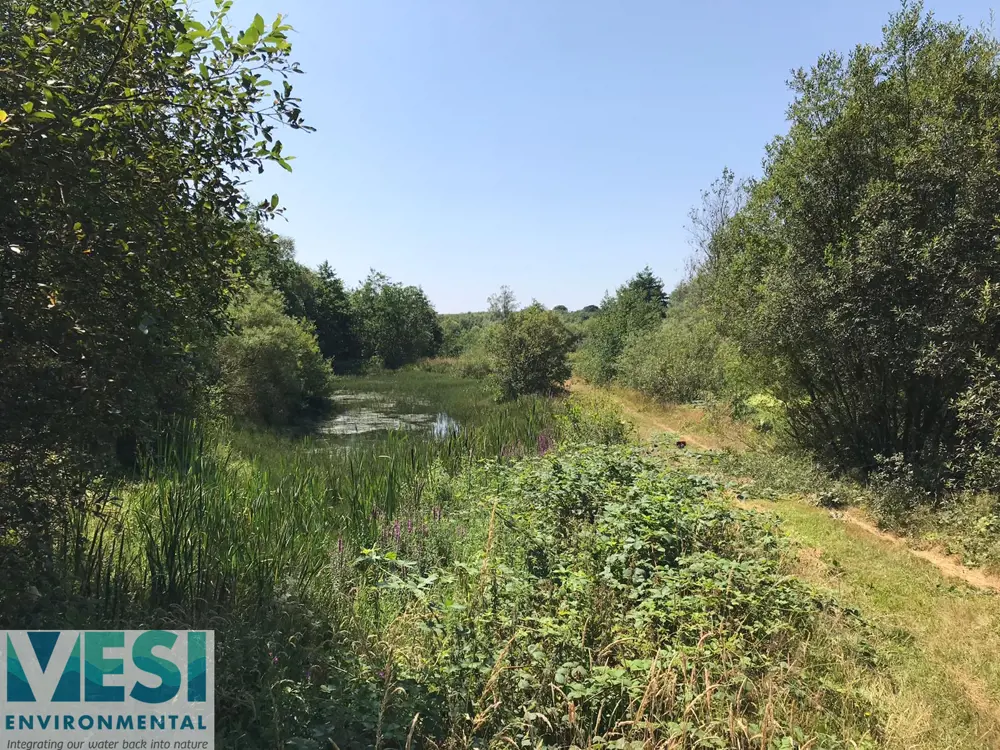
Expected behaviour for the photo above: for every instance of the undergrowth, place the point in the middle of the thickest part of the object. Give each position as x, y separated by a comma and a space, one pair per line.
489, 592
586, 598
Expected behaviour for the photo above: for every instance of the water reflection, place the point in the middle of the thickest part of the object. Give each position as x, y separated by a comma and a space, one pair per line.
444, 426
366, 413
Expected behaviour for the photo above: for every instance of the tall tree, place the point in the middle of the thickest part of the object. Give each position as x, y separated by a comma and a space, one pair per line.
865, 262
502, 304
396, 324
127, 129
316, 296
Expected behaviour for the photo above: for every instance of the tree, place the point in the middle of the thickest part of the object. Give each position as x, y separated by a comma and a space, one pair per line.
648, 288
865, 261
334, 319
271, 364
528, 353
317, 296
502, 304
127, 131
396, 324
638, 305
724, 199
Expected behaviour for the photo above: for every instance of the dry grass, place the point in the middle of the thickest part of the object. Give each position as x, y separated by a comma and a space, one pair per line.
940, 636
700, 427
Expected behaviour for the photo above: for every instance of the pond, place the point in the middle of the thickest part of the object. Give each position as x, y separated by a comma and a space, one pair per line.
431, 408
367, 415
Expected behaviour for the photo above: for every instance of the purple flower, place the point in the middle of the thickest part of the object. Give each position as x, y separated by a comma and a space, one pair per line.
396, 530
409, 526
340, 545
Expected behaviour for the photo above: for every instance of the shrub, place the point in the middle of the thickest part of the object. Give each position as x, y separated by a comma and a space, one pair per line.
271, 366
677, 362
528, 353
593, 418
597, 587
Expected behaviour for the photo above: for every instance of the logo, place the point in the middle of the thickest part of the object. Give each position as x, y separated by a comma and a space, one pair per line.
107, 690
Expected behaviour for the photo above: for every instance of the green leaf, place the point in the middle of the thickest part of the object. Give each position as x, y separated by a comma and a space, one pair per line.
274, 201
28, 106
250, 38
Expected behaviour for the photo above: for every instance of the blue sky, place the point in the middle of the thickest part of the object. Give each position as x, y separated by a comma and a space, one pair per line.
555, 146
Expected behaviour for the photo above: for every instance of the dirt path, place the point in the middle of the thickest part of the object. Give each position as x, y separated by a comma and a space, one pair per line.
688, 423
934, 622
947, 564
684, 421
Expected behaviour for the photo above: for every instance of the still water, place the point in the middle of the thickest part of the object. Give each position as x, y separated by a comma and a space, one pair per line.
368, 415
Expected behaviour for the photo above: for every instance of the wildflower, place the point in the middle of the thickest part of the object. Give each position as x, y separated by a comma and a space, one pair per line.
340, 545
409, 526
396, 530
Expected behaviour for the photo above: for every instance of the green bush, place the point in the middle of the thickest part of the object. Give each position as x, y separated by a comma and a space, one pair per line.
593, 418
272, 370
528, 352
680, 361
550, 602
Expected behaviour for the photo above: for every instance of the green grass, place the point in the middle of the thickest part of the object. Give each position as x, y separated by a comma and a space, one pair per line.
939, 638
